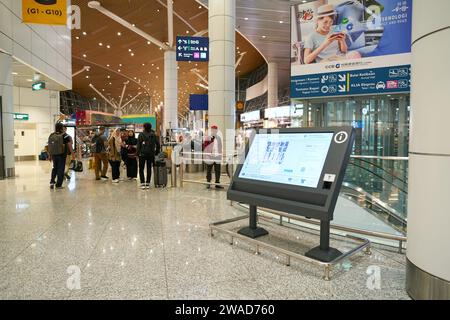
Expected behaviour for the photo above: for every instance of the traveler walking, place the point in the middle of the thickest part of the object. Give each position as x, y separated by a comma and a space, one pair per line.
59, 144
147, 147
114, 146
70, 157
100, 155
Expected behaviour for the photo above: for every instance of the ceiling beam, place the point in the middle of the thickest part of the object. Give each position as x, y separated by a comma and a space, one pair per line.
96, 5
85, 68
112, 104
123, 107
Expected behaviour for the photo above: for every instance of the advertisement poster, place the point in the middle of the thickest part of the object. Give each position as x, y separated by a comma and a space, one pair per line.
51, 12
352, 47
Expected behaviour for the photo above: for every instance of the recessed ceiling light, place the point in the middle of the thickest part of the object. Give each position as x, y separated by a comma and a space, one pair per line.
84, 56
108, 46
263, 37
118, 70
78, 38
129, 50
119, 33
87, 77
281, 21
84, 33
14, 73
245, 18
148, 42
100, 44
107, 65
132, 54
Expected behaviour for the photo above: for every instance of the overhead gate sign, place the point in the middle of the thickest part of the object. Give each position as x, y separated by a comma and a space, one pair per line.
51, 12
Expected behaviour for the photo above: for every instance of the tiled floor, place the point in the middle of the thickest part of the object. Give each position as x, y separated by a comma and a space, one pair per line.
132, 244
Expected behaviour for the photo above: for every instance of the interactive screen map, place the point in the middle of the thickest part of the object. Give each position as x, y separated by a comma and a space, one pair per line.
294, 159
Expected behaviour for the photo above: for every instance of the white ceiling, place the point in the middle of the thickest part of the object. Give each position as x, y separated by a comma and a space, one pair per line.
258, 18
22, 73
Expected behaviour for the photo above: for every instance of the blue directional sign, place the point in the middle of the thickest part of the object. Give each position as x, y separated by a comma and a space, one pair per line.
192, 49
198, 102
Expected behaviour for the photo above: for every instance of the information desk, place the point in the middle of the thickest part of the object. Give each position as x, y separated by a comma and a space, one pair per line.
298, 171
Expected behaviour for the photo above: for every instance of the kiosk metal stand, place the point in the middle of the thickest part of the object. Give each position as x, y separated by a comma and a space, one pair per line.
252, 231
324, 252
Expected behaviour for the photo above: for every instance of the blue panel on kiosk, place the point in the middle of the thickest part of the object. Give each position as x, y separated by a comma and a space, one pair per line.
193, 49
198, 102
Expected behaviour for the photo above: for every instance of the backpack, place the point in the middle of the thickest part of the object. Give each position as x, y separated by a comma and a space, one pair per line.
99, 145
148, 145
56, 144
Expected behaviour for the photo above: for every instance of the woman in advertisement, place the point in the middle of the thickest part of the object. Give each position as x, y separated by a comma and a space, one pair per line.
327, 43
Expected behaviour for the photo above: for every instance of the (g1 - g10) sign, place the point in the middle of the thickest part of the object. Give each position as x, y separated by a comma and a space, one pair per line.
51, 12
349, 47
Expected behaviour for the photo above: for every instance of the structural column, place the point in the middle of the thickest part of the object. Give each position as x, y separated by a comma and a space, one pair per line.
170, 91
222, 100
7, 118
272, 85
428, 254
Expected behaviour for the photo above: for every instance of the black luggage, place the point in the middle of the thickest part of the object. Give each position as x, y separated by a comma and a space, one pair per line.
160, 172
77, 166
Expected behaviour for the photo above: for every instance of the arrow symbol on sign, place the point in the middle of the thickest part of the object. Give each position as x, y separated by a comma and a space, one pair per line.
342, 78
180, 41
342, 88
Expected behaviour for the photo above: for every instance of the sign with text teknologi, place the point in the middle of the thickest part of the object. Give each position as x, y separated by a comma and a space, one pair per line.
350, 47
51, 12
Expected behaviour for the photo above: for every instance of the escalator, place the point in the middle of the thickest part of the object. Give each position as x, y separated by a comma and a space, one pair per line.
379, 185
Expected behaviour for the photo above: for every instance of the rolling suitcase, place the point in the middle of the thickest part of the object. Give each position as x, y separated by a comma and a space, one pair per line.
160, 172
78, 166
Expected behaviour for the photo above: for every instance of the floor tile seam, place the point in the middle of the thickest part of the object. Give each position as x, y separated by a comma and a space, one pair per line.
30, 242
164, 250
89, 257
389, 258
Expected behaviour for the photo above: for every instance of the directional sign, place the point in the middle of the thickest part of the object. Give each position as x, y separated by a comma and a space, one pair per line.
192, 49
21, 116
38, 86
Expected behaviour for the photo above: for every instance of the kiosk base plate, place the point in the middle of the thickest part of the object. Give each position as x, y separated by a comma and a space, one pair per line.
253, 233
323, 255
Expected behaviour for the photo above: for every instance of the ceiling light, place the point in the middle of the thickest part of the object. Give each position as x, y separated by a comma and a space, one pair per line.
30, 80
281, 21
107, 65
148, 42
84, 56
245, 18
263, 37
120, 64
100, 44
14, 73
118, 70
84, 33
132, 54
129, 50
119, 33
78, 38
108, 46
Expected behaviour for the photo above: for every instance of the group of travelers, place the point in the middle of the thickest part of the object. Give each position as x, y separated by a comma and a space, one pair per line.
122, 146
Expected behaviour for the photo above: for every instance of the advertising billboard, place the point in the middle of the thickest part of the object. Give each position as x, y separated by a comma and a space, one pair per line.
350, 47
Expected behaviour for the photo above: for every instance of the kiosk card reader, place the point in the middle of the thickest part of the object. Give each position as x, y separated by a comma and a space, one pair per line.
298, 171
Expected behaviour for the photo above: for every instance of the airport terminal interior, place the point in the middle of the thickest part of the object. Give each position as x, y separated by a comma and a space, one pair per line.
224, 150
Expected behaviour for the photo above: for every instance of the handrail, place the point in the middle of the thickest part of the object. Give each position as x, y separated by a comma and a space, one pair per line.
394, 213
380, 158
382, 169
406, 192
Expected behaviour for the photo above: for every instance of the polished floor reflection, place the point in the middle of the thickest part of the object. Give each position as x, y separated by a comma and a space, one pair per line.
121, 242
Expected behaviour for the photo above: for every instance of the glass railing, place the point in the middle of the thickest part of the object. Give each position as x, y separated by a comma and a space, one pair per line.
380, 184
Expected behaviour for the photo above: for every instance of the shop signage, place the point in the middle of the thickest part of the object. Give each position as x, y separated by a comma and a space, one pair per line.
21, 116
369, 52
279, 112
193, 49
251, 116
51, 12
38, 86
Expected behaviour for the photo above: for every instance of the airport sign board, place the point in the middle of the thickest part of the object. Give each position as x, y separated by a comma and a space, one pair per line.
21, 116
38, 86
50, 12
194, 49
369, 51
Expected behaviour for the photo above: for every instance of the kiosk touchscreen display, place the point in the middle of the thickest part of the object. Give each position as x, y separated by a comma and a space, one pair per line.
287, 158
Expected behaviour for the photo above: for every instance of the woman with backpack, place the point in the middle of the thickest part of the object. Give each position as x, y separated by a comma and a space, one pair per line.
114, 145
147, 147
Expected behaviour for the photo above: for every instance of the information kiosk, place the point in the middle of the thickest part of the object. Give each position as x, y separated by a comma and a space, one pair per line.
298, 171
